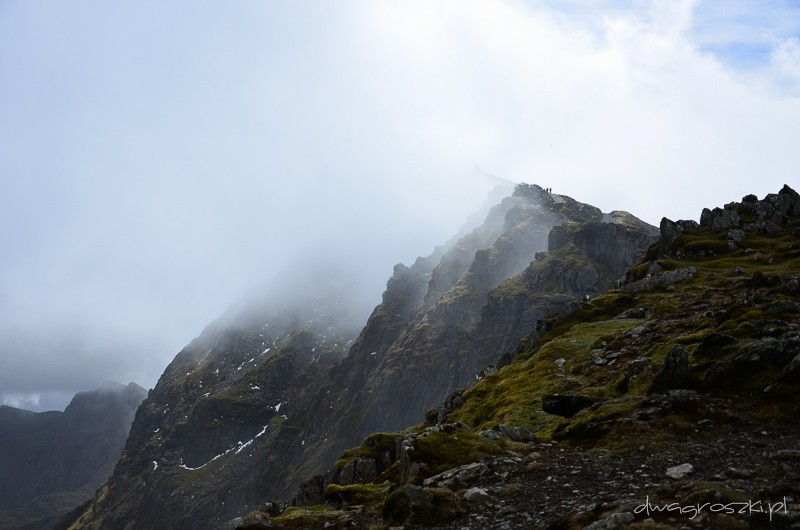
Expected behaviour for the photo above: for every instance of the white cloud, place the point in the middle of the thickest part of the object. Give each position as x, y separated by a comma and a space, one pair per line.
785, 66
21, 401
155, 169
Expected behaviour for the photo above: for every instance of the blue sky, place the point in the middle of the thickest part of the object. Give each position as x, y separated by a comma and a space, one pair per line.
159, 160
745, 34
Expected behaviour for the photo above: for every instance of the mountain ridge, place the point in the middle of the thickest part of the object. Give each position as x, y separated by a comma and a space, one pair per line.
64, 456
215, 409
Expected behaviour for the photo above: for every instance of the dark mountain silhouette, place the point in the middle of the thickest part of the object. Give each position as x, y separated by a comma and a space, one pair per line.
50, 462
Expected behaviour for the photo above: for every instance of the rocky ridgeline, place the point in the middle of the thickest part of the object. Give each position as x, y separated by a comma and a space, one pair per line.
677, 388
211, 441
776, 213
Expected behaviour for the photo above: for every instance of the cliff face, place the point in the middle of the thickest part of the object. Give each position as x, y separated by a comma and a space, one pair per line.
53, 461
482, 297
256, 405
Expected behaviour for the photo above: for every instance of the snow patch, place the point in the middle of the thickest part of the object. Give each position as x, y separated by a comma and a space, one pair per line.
236, 450
248, 442
184, 466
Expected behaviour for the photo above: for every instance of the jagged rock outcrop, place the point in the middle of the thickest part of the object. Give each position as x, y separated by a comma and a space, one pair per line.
675, 373
50, 462
473, 313
771, 215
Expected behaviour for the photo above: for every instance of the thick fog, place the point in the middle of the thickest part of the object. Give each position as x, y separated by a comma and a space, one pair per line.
159, 161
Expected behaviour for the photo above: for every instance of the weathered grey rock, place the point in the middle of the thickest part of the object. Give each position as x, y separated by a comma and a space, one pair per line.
735, 472
622, 517
408, 467
780, 352
365, 471
458, 476
310, 492
234, 524
737, 236
648, 413
787, 455
418, 505
477, 495
678, 472
409, 500
681, 398
492, 434
360, 471
662, 280
720, 219
566, 405
670, 232
517, 434
675, 373
635, 368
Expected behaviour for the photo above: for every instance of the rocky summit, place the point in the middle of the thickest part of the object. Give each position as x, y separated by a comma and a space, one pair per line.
567, 367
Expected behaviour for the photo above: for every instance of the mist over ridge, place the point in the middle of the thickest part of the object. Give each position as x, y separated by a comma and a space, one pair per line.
160, 162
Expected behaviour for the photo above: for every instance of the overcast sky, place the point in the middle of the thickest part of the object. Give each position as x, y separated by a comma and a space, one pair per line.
160, 160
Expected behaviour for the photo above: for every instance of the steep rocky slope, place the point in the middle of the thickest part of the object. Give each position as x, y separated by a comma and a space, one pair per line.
445, 322
268, 397
668, 402
50, 462
221, 421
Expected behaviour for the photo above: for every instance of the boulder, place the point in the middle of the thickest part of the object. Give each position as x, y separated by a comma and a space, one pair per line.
670, 232
661, 281
674, 373
517, 434
418, 505
678, 472
458, 476
477, 495
360, 471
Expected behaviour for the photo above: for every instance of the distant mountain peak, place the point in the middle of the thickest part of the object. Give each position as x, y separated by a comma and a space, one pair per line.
51, 462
